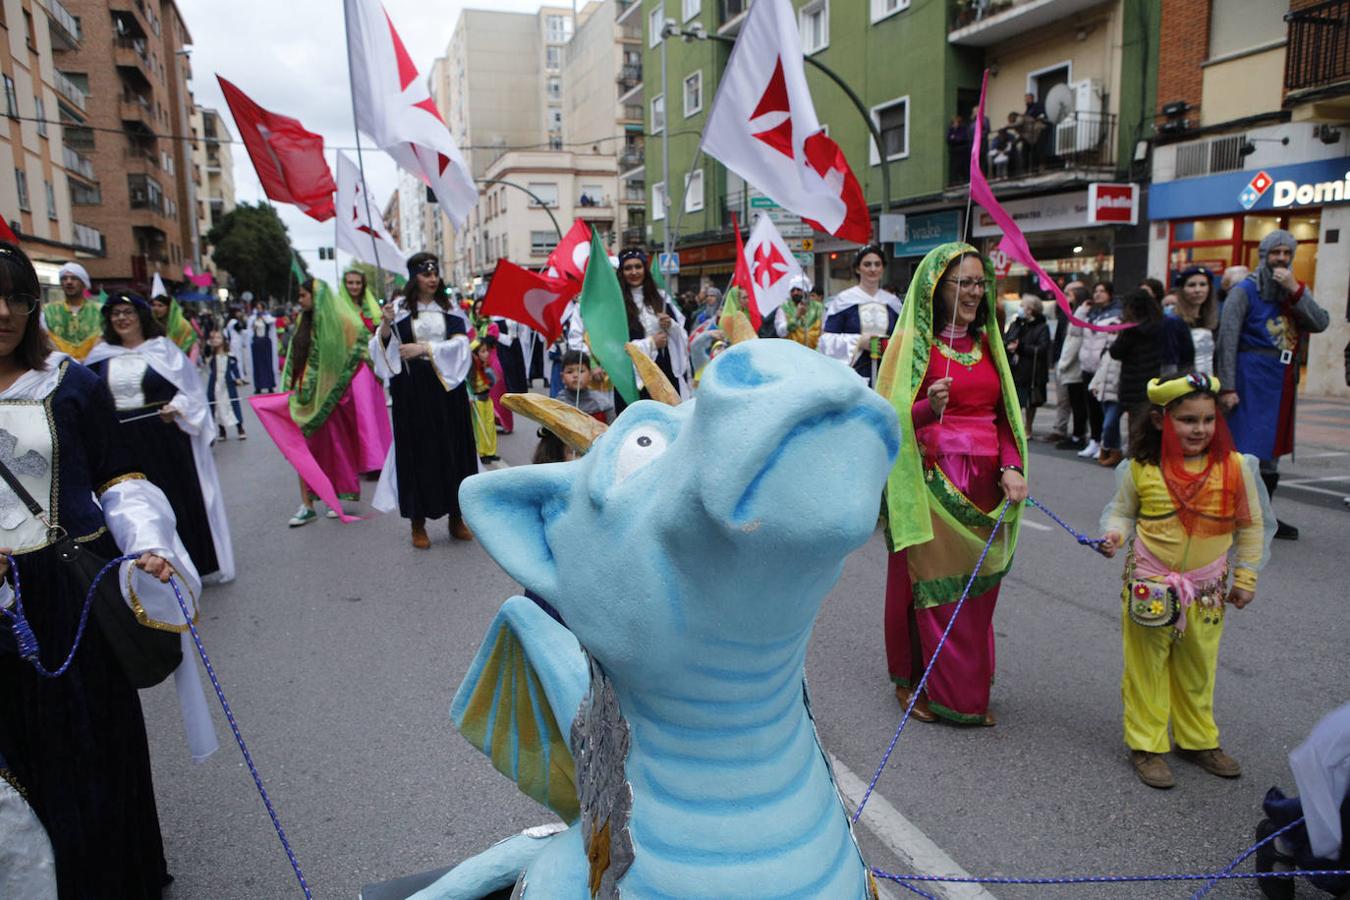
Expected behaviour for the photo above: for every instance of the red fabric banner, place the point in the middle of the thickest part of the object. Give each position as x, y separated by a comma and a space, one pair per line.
741, 279
531, 299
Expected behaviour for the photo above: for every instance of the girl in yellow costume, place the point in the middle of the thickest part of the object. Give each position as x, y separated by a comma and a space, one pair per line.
481, 380
1191, 502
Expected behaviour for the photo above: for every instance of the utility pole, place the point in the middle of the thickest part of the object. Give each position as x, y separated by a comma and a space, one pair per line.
668, 28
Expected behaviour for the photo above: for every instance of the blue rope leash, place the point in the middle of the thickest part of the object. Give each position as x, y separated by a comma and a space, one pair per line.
1237, 861
28, 649
1083, 539
918, 689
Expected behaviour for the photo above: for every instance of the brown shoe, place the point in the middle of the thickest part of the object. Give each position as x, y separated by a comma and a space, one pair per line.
921, 710
419, 534
1152, 769
1213, 761
1110, 458
459, 531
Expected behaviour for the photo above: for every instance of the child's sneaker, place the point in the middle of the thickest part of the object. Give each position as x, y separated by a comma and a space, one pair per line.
1152, 769
303, 516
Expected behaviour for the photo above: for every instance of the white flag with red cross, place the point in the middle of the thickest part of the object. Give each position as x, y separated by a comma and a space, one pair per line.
360, 230
763, 126
773, 268
395, 107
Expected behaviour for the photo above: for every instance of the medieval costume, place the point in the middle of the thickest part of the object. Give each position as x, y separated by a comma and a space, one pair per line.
74, 331
222, 380
262, 352
175, 456
1261, 336
237, 341
77, 744
944, 496
434, 448
801, 325
488, 331
643, 324
511, 341
856, 326
372, 412
367, 305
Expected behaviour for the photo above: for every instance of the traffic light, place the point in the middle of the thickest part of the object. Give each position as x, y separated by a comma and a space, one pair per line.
326, 253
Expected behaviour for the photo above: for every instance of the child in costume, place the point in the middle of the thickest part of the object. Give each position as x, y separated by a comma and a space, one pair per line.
577, 391
222, 381
481, 380
1196, 509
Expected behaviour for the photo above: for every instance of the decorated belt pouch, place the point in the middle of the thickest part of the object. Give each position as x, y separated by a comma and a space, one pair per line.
1151, 603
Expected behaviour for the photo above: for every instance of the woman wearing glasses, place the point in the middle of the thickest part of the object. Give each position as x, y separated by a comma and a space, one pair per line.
961, 455
163, 415
76, 744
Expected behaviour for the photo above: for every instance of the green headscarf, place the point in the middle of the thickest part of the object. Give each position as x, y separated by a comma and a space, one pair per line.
369, 303
337, 347
178, 329
942, 529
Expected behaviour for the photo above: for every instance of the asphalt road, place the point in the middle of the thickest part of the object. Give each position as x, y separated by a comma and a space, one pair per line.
340, 647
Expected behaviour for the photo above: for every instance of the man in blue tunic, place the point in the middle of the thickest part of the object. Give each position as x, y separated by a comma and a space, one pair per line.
1266, 318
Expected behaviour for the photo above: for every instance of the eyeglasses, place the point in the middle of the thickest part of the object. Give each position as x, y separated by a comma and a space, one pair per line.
965, 284
20, 304
122, 312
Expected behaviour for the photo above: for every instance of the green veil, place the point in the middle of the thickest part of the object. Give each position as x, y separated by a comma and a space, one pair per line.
178, 329
338, 346
369, 303
944, 531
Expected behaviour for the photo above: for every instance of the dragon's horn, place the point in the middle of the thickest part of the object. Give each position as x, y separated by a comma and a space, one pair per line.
572, 426
737, 328
656, 382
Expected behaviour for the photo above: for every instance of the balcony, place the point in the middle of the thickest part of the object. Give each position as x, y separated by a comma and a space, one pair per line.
631, 114
632, 236
630, 158
1080, 148
65, 28
629, 77
140, 159
981, 23
85, 195
90, 239
133, 53
68, 89
1317, 62
136, 109
77, 163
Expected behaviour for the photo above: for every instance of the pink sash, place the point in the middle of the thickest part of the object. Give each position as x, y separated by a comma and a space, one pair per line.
1187, 585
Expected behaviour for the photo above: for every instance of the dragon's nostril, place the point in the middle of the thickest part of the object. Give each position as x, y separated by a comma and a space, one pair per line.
735, 370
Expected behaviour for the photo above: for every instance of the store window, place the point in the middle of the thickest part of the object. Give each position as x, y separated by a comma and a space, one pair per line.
1224, 241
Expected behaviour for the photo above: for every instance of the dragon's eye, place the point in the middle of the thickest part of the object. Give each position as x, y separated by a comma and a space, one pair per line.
639, 448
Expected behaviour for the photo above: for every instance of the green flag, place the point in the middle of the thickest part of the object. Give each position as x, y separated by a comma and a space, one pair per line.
606, 318
657, 275
298, 272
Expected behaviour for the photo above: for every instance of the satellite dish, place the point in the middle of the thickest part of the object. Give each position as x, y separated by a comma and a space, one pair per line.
1059, 103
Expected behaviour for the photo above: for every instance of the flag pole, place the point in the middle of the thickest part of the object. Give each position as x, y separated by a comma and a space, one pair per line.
360, 163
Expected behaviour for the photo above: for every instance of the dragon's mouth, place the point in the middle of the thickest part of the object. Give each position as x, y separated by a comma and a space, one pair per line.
876, 422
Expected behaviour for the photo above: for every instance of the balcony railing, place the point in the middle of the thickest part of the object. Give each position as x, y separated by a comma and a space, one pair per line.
65, 26
1318, 51
77, 163
629, 77
1081, 142
85, 195
982, 23
633, 236
91, 239
632, 112
630, 159
70, 90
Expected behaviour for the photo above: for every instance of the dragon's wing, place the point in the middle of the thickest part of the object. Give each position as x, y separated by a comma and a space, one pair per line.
519, 698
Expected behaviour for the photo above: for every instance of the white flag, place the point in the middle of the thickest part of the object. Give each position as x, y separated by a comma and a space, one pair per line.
773, 268
367, 240
763, 127
394, 107
157, 287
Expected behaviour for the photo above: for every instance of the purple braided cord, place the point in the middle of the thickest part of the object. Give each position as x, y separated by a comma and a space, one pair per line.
914, 697
1209, 886
1094, 543
23, 632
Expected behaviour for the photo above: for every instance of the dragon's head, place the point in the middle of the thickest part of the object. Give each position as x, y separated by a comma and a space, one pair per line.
720, 522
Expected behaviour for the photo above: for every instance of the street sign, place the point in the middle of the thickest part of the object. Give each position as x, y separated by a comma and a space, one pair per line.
795, 230
781, 217
808, 244
763, 203
669, 263
805, 259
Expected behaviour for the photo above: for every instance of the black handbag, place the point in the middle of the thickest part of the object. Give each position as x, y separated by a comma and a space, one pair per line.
146, 655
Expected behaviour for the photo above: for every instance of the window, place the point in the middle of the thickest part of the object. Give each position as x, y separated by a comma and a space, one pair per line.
21, 179
732, 8
814, 22
892, 120
51, 199
555, 121
554, 88
592, 195
41, 113
693, 94
553, 58
658, 201
546, 191
693, 191
11, 99
558, 29
884, 8
655, 24
1237, 25
691, 8
543, 242
659, 113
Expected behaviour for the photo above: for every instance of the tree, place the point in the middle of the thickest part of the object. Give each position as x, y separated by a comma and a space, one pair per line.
252, 244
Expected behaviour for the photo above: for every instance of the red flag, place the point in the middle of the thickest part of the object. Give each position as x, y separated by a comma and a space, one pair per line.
1014, 243
7, 233
288, 159
568, 259
528, 298
741, 278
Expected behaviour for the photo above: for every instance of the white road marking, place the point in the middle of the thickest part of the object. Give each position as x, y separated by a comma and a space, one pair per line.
1304, 486
1324, 454
1313, 480
902, 837
1034, 526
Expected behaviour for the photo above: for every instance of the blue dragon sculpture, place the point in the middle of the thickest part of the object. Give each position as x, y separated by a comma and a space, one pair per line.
668, 723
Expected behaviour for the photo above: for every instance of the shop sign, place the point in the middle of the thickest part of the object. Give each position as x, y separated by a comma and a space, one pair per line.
1002, 262
1113, 204
1032, 214
926, 231
1319, 183
707, 253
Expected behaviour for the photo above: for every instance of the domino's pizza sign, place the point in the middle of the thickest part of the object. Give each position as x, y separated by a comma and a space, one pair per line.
1255, 190
1323, 182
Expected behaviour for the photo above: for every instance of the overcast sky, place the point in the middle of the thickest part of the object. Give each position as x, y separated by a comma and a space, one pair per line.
290, 56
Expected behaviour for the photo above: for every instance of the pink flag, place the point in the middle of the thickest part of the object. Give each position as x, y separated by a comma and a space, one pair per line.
274, 411
1014, 243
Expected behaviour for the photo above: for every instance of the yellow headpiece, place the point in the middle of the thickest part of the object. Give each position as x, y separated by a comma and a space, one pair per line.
1162, 393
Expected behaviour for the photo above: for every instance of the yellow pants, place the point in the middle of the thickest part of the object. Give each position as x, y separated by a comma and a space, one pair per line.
1170, 675
484, 427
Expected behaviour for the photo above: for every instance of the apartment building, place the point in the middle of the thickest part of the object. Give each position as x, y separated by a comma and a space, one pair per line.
1253, 124
213, 178
136, 132
38, 172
